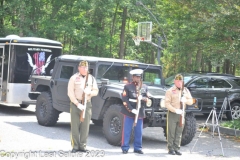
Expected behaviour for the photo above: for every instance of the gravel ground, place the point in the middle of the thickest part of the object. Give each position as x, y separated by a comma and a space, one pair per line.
22, 138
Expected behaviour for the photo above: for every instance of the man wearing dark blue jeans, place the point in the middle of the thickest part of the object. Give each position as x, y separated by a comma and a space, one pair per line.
133, 93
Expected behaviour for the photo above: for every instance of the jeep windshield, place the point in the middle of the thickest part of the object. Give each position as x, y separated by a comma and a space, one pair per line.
118, 73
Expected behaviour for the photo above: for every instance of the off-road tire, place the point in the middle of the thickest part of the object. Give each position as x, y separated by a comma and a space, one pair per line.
165, 131
236, 109
46, 114
112, 124
189, 130
23, 105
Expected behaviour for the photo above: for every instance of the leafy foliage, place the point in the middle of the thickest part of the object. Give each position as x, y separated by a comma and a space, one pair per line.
232, 124
197, 35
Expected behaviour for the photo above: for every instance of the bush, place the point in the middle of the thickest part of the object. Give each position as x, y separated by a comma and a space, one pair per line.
232, 124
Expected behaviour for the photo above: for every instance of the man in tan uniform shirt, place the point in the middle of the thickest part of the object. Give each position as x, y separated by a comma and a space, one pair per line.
75, 92
173, 98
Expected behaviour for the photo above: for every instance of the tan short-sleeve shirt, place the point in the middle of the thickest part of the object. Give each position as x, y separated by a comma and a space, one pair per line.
173, 96
76, 87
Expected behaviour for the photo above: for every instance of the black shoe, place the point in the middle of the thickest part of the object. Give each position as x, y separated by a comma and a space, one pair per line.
178, 153
138, 151
124, 151
83, 150
171, 152
75, 150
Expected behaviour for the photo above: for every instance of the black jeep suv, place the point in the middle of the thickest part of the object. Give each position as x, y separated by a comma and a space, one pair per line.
111, 76
209, 85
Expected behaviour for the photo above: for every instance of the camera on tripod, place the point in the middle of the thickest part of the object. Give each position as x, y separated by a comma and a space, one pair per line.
214, 124
214, 102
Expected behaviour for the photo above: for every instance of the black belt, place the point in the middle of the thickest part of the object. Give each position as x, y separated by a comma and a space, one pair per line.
80, 101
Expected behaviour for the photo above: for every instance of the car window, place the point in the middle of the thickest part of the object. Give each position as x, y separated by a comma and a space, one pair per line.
119, 73
66, 72
199, 83
237, 81
219, 83
170, 80
113, 73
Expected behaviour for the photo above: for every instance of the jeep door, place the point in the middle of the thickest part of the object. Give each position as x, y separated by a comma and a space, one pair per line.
59, 85
219, 88
199, 88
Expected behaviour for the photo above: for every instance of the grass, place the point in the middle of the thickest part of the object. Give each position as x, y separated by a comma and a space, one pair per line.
232, 124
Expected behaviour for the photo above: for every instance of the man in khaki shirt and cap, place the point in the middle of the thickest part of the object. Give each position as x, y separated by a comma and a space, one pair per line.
173, 99
77, 86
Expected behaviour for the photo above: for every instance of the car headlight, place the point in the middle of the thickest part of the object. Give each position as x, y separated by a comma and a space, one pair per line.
149, 102
162, 103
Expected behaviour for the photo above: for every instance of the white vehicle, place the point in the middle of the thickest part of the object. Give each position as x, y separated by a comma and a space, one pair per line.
20, 57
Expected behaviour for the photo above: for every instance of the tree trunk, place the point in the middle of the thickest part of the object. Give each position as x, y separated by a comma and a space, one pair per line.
112, 27
189, 62
209, 66
227, 66
234, 69
22, 19
199, 60
217, 69
2, 33
122, 35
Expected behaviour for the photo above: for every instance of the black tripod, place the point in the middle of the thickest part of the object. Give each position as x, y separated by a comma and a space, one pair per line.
214, 125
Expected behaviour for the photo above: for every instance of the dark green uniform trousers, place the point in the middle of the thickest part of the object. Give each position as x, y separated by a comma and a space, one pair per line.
174, 132
80, 130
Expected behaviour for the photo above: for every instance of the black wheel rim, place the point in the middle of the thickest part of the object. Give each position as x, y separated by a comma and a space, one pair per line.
43, 109
115, 125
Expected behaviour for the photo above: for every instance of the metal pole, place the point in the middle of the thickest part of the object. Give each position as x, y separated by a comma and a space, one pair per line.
159, 50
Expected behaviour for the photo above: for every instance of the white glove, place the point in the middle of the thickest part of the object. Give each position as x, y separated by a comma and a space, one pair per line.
134, 111
80, 106
87, 91
183, 100
140, 97
178, 111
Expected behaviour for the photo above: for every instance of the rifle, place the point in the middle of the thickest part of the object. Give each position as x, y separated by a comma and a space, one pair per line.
138, 103
84, 101
181, 121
